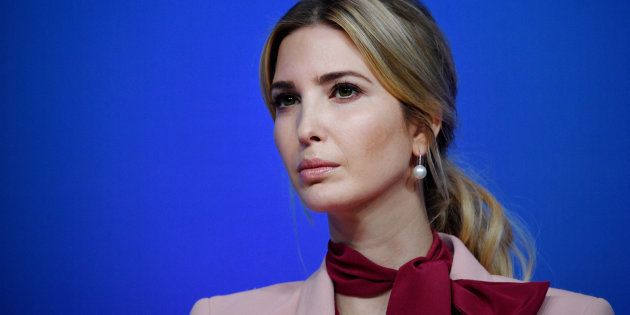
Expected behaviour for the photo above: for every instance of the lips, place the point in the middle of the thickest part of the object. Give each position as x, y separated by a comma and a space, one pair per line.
315, 170
315, 163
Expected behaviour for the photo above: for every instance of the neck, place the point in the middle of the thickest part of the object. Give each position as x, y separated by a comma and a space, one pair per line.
390, 231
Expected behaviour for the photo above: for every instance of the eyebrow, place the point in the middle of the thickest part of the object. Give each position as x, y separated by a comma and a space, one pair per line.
283, 85
336, 75
332, 76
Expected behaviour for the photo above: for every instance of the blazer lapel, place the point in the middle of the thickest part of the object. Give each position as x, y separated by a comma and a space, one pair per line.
317, 296
465, 265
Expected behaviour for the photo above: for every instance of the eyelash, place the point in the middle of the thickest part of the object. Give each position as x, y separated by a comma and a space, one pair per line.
355, 89
340, 85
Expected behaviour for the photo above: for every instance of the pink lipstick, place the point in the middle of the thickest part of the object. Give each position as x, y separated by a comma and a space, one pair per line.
315, 169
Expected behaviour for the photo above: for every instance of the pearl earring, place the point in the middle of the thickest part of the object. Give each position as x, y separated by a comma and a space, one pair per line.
420, 172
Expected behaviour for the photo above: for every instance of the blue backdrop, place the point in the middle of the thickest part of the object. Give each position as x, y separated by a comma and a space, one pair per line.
139, 173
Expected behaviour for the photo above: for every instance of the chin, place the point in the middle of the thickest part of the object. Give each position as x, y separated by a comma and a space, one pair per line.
327, 201
318, 203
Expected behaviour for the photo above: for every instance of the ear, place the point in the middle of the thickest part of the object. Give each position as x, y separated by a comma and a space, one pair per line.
420, 136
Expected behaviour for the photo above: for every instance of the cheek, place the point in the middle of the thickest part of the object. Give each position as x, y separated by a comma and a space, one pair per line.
282, 138
383, 130
378, 141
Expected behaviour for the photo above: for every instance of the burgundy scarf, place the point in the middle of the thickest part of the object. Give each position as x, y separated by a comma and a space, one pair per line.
423, 285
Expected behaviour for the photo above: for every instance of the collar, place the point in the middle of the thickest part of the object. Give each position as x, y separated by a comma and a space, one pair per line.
318, 296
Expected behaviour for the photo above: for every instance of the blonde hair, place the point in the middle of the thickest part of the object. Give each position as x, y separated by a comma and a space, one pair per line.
405, 49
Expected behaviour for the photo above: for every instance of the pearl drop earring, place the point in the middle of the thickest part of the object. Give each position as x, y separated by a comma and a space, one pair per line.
420, 172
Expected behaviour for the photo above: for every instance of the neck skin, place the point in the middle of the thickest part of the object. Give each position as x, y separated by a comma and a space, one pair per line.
389, 231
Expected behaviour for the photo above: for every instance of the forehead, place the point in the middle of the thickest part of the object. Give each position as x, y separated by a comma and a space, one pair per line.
314, 50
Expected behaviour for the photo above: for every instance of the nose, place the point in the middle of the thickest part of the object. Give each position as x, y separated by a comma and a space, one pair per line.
310, 127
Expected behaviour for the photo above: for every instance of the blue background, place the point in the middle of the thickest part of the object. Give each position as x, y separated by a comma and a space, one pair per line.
139, 173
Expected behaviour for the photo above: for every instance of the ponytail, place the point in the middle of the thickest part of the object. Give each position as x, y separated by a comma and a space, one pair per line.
459, 206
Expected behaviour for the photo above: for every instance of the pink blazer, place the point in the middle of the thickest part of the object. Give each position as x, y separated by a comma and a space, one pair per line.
315, 296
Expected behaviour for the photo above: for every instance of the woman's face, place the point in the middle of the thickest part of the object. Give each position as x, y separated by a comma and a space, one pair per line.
329, 106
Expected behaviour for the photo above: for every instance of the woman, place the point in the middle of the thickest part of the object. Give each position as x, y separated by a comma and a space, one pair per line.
362, 94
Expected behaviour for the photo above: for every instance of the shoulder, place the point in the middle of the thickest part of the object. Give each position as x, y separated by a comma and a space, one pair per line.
267, 300
274, 299
466, 266
559, 301
314, 296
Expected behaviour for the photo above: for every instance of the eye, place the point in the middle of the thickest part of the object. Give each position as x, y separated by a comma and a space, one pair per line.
284, 100
345, 91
